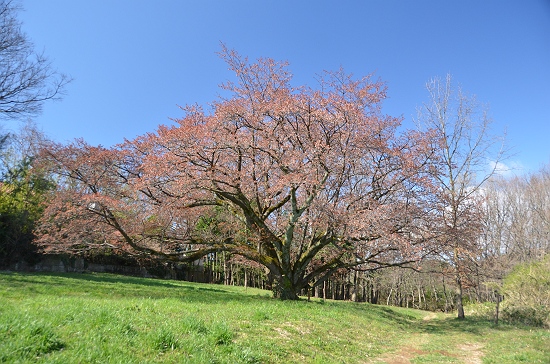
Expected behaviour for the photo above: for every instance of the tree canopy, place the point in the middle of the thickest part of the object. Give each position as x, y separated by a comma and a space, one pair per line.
304, 181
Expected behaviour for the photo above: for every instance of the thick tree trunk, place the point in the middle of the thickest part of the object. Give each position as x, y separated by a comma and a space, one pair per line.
285, 289
288, 281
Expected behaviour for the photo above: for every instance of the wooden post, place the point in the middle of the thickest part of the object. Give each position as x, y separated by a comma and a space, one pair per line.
497, 307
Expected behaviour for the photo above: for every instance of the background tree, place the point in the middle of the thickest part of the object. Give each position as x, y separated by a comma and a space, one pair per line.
303, 181
470, 155
517, 221
22, 196
26, 77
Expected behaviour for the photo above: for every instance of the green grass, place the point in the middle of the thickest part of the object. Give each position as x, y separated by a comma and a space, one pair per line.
100, 318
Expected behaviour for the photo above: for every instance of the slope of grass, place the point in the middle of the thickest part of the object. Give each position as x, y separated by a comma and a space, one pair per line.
99, 318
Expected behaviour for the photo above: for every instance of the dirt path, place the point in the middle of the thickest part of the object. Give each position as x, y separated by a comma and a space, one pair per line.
472, 353
468, 353
429, 316
404, 356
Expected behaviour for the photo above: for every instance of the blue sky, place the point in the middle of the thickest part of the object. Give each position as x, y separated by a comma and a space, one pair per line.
134, 61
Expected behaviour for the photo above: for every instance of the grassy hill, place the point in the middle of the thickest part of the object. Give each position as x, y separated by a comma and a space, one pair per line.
99, 318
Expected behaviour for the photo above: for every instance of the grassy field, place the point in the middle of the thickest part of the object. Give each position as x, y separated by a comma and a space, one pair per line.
99, 318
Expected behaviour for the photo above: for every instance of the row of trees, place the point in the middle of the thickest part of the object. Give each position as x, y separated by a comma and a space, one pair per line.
517, 218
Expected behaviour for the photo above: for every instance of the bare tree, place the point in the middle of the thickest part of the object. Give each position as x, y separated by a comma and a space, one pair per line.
518, 218
470, 155
27, 78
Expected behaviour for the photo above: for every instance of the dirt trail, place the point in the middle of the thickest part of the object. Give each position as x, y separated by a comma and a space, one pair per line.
402, 357
469, 352
472, 353
429, 316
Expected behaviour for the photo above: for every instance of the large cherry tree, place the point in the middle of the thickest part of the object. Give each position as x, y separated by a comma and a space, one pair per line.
304, 181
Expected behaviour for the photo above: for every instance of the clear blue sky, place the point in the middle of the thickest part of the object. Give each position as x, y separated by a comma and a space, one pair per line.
134, 61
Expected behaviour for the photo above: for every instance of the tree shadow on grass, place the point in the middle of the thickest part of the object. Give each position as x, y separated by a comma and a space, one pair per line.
397, 319
469, 325
412, 322
383, 314
106, 285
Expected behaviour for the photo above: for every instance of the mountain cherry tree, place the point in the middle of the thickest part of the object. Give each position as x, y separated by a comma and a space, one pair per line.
304, 181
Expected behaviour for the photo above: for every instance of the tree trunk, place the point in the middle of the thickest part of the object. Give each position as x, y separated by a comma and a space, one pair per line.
285, 289
459, 305
318, 291
226, 272
355, 288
